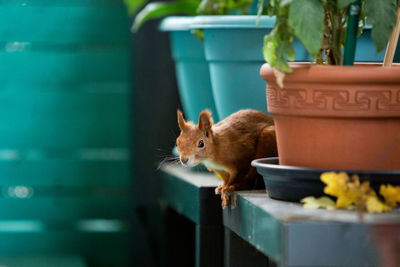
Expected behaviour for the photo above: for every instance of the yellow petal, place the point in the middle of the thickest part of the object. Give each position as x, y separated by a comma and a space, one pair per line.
336, 183
375, 205
315, 203
350, 192
366, 190
344, 201
391, 194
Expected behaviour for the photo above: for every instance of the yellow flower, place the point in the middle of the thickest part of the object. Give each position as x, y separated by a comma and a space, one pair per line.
349, 191
375, 205
345, 200
316, 203
391, 194
339, 185
335, 183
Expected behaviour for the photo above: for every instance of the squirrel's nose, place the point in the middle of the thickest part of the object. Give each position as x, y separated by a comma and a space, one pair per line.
184, 160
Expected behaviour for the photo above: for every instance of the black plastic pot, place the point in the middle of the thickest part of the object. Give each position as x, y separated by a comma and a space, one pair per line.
294, 183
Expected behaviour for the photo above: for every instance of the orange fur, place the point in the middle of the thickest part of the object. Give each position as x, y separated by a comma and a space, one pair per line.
228, 147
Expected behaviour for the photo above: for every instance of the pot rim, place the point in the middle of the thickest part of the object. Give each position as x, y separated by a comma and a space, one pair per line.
260, 163
176, 23
240, 21
363, 91
185, 23
233, 21
308, 72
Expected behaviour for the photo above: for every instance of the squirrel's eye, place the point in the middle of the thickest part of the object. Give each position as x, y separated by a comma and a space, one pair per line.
200, 144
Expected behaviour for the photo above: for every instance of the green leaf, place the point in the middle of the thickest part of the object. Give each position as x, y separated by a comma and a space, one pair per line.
282, 50
278, 47
161, 9
275, 51
260, 7
269, 49
285, 2
239, 4
207, 7
198, 33
316, 203
345, 3
288, 49
306, 17
134, 5
382, 16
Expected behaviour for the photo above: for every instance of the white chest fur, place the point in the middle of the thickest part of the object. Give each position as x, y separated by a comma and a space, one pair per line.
210, 165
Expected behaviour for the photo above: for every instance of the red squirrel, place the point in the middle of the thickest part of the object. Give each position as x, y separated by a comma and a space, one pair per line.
228, 147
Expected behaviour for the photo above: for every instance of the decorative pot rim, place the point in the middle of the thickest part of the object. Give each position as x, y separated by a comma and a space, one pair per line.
366, 90
313, 73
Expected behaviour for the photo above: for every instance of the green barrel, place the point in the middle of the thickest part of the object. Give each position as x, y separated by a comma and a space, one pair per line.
65, 159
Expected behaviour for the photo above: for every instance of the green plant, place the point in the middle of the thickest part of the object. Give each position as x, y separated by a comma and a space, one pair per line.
134, 5
184, 7
156, 10
321, 26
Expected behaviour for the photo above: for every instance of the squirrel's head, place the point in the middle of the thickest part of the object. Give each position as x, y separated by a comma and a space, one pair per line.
195, 141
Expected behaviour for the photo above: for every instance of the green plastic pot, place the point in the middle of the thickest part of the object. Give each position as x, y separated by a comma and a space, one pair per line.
192, 70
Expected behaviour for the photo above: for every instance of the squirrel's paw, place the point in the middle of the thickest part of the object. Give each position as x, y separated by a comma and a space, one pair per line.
219, 189
225, 200
228, 189
226, 193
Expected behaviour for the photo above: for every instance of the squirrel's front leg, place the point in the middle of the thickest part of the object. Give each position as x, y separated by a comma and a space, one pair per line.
228, 188
225, 177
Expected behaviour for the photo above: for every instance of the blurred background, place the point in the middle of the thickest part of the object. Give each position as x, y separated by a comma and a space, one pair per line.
87, 112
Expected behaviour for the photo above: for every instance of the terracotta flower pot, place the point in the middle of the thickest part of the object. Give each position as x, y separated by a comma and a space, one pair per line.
337, 117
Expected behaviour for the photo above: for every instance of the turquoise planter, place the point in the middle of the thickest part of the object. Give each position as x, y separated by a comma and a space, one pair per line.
366, 51
192, 70
233, 48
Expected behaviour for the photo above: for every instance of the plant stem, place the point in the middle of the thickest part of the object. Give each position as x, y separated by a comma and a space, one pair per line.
334, 53
391, 47
337, 35
320, 57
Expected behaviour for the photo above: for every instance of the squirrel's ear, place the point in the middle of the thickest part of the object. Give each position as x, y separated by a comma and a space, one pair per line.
181, 120
205, 121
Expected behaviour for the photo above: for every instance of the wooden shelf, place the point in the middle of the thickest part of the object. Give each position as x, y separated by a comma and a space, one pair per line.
294, 236
285, 232
192, 194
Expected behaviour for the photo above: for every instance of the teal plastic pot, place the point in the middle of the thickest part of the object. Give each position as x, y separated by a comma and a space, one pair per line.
233, 49
192, 72
366, 50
